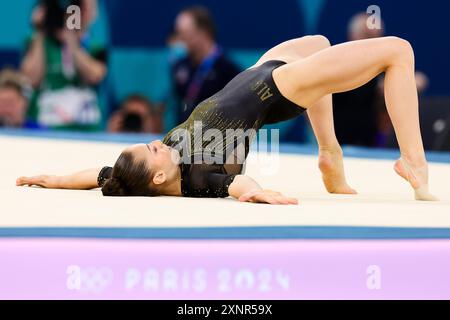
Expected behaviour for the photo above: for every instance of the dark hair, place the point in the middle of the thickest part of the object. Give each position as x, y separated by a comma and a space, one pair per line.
203, 19
136, 97
129, 178
55, 13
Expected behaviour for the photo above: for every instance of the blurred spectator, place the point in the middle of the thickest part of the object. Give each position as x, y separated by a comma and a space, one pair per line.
177, 48
65, 67
176, 51
358, 30
205, 70
15, 91
137, 115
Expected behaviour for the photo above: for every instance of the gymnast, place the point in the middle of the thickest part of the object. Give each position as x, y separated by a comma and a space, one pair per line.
295, 76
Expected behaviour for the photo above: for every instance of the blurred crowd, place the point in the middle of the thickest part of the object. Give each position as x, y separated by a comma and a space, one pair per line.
57, 84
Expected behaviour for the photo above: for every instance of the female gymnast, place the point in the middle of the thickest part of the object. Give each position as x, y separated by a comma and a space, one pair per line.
295, 76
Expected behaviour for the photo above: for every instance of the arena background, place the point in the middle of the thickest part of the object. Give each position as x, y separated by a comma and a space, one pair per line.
135, 32
380, 244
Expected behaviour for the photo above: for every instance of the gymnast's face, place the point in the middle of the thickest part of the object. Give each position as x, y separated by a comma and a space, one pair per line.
160, 159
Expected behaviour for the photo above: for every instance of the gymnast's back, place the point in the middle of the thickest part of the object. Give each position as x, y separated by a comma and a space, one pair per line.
215, 140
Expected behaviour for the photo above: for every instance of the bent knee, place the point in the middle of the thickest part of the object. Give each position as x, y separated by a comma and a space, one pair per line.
400, 43
402, 47
321, 41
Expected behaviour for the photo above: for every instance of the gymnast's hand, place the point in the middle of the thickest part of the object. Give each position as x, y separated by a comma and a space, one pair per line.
246, 189
44, 181
267, 196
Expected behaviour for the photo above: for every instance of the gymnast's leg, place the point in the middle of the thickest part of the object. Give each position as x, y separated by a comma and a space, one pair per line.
331, 162
350, 65
320, 114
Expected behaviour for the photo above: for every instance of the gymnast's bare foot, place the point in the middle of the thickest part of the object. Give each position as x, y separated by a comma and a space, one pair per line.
332, 166
417, 176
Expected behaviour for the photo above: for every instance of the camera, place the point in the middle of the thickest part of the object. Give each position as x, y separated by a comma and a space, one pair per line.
132, 122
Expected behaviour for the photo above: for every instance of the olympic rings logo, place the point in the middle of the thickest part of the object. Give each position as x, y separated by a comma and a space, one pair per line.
89, 279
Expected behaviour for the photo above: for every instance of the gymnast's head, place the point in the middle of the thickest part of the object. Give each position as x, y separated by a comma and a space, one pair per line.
144, 170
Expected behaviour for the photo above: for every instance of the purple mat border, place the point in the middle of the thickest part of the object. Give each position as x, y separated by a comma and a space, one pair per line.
217, 269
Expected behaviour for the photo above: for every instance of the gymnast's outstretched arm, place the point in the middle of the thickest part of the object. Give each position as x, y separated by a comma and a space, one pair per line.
245, 189
83, 180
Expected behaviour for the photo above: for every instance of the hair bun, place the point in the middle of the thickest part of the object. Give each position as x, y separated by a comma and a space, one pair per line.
114, 187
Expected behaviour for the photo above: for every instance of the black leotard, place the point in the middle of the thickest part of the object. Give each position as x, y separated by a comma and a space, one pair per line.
246, 103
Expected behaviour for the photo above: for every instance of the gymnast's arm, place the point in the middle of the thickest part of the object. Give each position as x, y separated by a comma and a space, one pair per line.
83, 180
246, 189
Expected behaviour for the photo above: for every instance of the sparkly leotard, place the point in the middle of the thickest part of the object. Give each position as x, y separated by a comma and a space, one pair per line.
215, 140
